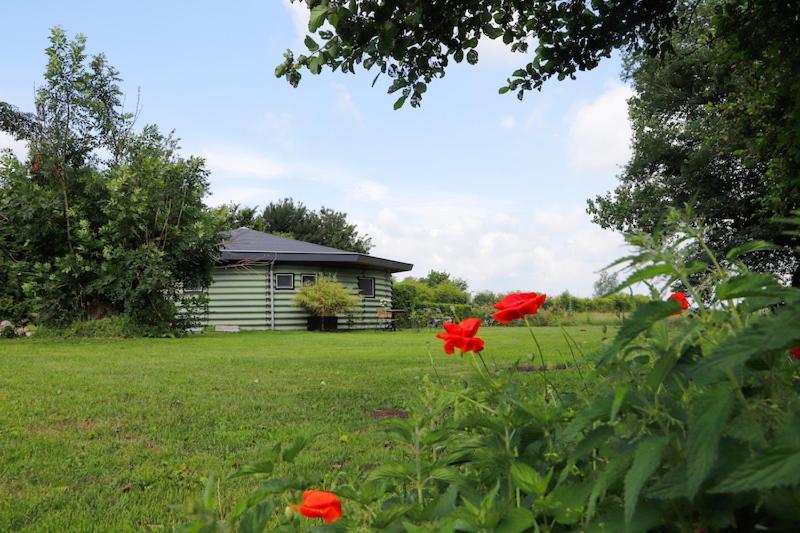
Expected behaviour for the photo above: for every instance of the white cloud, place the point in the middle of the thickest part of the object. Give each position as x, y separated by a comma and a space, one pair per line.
246, 196
345, 106
224, 162
507, 122
599, 132
299, 13
19, 148
549, 249
238, 165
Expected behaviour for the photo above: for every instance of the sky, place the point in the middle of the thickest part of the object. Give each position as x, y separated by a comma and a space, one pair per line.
488, 188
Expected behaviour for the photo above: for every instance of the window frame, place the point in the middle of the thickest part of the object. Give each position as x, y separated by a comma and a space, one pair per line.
307, 275
277, 287
358, 283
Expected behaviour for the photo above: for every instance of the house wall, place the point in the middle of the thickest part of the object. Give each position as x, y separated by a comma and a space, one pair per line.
241, 296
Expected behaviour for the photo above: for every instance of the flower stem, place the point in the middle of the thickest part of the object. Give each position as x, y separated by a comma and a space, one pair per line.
544, 365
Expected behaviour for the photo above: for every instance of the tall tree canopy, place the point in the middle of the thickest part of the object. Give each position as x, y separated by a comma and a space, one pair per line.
294, 220
717, 126
413, 41
716, 114
98, 219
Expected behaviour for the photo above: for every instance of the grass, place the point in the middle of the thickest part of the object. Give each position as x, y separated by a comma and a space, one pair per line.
119, 434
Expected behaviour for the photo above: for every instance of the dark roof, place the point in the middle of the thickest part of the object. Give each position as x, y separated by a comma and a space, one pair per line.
245, 244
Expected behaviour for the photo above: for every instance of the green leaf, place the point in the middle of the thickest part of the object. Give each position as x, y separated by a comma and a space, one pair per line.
317, 18
619, 398
709, 414
753, 246
264, 467
517, 520
640, 320
254, 520
669, 486
295, 447
311, 44
528, 479
751, 285
643, 274
400, 101
779, 466
612, 473
389, 471
503, 90
663, 365
764, 334
645, 462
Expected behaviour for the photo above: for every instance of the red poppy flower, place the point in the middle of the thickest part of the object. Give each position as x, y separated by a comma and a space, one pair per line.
795, 353
680, 297
320, 504
461, 336
518, 305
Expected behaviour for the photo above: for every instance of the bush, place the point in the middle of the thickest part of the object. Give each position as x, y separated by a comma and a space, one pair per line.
326, 297
679, 423
116, 326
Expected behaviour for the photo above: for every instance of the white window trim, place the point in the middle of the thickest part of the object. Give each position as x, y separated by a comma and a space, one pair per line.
302, 280
358, 280
278, 287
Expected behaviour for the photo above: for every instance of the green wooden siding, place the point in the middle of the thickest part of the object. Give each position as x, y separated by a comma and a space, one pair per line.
241, 297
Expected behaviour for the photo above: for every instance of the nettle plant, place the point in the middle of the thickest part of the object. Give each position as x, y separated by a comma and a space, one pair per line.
688, 420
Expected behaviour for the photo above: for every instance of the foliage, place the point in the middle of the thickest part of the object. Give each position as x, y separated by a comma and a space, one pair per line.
683, 423
435, 287
326, 297
485, 298
110, 327
715, 127
413, 41
292, 220
605, 284
100, 220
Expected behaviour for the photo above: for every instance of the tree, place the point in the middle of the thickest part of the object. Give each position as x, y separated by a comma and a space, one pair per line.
436, 277
295, 221
98, 219
715, 128
413, 41
485, 298
605, 284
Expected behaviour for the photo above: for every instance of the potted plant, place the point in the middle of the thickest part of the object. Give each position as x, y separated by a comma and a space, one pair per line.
325, 300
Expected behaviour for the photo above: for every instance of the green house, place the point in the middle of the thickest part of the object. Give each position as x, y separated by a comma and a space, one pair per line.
258, 274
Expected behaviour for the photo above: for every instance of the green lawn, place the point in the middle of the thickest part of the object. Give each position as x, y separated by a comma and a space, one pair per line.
118, 434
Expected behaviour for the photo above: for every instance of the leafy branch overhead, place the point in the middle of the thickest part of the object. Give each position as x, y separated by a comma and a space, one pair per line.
413, 42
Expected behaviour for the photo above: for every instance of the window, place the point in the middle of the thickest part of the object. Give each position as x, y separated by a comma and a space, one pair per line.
284, 281
366, 287
308, 279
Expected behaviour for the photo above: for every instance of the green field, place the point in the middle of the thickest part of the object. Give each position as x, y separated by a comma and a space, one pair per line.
119, 434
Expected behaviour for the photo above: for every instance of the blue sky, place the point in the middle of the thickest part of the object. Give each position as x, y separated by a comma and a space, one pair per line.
482, 185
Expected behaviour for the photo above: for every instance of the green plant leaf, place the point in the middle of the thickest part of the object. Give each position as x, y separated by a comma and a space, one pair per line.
264, 467
779, 466
311, 44
645, 462
640, 320
317, 18
709, 414
611, 474
399, 102
517, 520
528, 479
643, 274
764, 334
751, 285
752, 246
